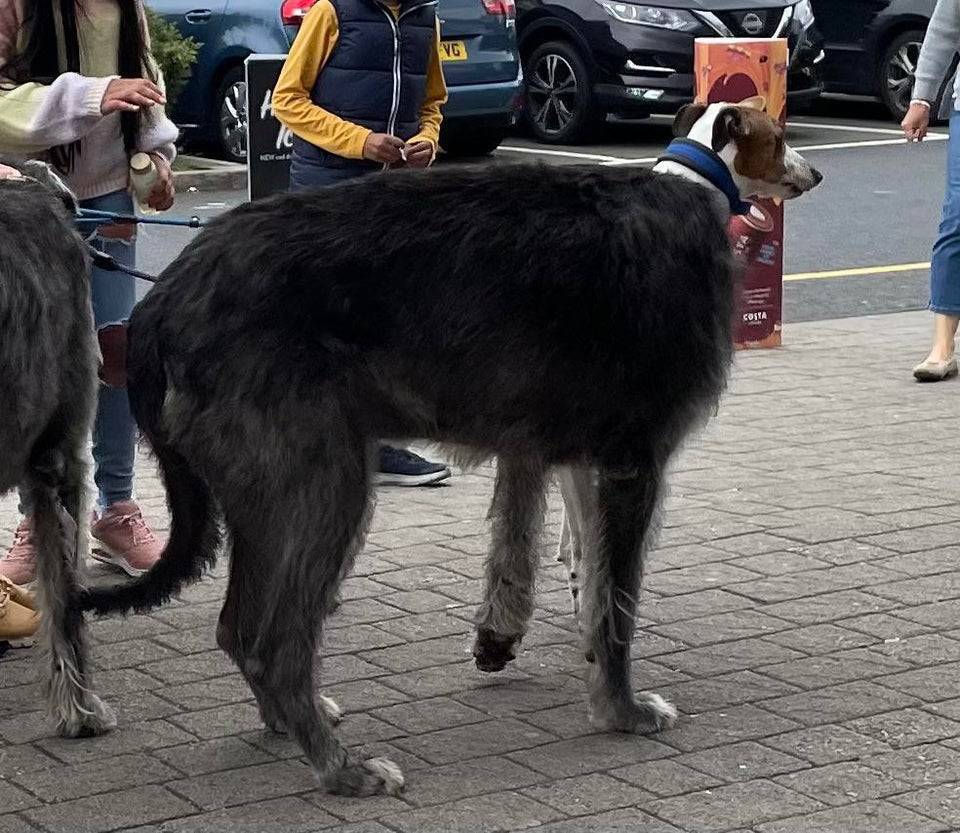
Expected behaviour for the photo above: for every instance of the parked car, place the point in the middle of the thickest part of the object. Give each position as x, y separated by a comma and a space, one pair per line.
479, 49
584, 59
872, 47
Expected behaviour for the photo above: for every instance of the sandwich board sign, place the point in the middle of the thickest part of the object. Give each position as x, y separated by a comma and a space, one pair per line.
269, 143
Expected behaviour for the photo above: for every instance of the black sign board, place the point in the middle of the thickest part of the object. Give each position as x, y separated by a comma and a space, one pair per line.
268, 141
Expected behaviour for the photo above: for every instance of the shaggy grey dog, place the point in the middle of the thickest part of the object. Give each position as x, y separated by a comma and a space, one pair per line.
552, 316
48, 378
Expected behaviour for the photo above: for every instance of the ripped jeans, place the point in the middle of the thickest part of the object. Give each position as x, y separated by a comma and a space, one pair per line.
114, 432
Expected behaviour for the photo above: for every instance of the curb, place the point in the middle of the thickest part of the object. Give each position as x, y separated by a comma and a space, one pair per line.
218, 176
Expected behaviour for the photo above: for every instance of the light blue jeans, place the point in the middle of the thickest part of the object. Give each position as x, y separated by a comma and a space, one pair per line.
114, 432
945, 262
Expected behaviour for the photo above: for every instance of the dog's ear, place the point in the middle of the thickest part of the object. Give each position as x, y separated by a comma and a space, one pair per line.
729, 126
687, 117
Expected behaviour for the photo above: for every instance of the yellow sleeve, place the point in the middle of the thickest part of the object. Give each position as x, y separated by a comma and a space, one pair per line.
436, 96
291, 97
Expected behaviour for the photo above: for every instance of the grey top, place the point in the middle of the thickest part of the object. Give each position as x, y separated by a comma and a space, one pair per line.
939, 46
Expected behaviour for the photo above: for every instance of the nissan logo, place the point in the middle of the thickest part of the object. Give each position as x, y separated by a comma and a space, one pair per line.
752, 24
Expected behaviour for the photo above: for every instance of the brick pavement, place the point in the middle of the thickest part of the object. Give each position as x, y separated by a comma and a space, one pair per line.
803, 612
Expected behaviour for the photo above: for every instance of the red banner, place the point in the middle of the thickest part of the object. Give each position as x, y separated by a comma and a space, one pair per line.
733, 69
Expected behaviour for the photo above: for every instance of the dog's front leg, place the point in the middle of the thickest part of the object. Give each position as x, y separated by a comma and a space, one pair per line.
517, 514
627, 509
579, 492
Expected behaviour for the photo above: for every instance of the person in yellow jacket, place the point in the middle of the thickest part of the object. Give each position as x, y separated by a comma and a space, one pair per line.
362, 90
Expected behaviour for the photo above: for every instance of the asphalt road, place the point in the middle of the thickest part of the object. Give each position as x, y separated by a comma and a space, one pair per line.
876, 211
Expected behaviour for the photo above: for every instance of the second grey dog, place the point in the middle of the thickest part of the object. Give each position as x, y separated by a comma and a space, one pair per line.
573, 316
48, 381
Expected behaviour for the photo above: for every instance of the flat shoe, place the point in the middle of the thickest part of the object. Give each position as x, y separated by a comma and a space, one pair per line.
930, 371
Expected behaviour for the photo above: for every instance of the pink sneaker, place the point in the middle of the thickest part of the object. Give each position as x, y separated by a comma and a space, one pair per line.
127, 541
20, 563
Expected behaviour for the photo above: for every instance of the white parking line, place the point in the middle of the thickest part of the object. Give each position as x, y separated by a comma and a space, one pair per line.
932, 137
847, 128
590, 157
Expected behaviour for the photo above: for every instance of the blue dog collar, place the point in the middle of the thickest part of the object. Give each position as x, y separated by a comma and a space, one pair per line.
710, 166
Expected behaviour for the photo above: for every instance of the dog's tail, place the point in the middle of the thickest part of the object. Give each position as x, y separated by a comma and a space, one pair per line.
194, 528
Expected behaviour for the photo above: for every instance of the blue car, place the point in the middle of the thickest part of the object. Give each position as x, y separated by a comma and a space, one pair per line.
479, 49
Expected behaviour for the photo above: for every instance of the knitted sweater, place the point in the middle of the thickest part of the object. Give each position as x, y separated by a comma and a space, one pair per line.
939, 46
36, 117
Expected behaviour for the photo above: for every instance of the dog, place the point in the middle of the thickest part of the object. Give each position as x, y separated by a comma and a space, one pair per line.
566, 317
48, 374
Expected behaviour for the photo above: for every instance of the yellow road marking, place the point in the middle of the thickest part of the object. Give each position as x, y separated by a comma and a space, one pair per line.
861, 270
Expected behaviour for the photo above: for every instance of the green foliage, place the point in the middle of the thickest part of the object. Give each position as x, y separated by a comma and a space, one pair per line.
174, 54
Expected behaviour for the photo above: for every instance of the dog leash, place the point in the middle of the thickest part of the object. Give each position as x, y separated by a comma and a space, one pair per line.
92, 218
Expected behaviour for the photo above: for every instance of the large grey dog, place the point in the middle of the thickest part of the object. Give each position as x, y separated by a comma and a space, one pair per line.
48, 378
568, 316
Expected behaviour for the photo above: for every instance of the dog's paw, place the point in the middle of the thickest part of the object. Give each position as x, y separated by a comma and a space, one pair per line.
330, 708
492, 651
376, 776
86, 719
650, 713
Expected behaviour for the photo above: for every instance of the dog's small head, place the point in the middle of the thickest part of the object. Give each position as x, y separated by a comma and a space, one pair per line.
752, 145
44, 175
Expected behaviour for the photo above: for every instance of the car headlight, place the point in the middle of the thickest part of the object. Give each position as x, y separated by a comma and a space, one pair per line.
803, 12
676, 20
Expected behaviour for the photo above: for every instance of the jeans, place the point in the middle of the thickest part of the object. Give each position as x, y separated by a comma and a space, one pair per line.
114, 432
305, 175
945, 263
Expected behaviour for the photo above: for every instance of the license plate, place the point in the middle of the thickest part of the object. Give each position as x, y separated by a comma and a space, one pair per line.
453, 50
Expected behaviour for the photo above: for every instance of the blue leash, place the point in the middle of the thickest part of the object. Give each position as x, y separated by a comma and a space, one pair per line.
91, 219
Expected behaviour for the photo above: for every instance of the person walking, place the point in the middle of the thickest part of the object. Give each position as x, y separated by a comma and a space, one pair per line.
941, 43
361, 91
80, 90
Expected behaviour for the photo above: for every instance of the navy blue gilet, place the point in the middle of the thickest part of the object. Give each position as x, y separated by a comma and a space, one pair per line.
376, 76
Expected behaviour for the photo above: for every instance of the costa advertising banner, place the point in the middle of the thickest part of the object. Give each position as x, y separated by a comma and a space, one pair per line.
269, 143
735, 69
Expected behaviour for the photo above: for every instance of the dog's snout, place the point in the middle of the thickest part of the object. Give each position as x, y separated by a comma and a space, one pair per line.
817, 177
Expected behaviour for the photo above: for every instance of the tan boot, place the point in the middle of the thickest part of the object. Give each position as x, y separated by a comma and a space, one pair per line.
17, 622
19, 594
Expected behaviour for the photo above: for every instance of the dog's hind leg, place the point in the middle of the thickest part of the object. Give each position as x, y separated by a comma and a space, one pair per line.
627, 510
77, 710
579, 492
517, 514
299, 523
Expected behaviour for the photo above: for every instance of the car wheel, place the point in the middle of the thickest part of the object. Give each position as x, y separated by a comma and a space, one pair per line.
897, 69
558, 106
471, 143
231, 103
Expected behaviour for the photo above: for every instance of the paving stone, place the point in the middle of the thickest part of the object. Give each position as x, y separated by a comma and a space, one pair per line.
666, 777
99, 813
241, 786
208, 694
837, 703
281, 815
692, 605
616, 821
867, 817
841, 667
439, 784
919, 766
138, 737
474, 741
482, 814
65, 783
699, 577
17, 760
586, 794
356, 638
345, 668
724, 726
723, 627
361, 729
443, 680
13, 798
212, 755
917, 540
14, 824
799, 585
423, 626
842, 783
821, 639
726, 690
738, 805
430, 715
569, 721
746, 761
419, 601
224, 720
189, 669
907, 727
415, 655
728, 656
118, 629
826, 744
883, 626
779, 563
567, 758
941, 803
519, 696
829, 607
923, 649
132, 652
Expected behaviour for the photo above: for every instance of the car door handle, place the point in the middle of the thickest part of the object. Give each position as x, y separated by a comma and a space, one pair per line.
198, 16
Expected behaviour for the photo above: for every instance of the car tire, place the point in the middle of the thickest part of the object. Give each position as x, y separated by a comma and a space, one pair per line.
471, 143
896, 72
558, 96
231, 116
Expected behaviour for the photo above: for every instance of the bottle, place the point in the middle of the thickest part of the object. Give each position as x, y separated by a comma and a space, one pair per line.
143, 176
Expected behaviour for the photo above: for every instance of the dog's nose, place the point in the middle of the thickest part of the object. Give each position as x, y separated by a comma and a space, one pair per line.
817, 176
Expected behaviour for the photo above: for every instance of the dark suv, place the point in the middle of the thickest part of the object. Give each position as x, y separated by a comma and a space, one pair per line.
584, 59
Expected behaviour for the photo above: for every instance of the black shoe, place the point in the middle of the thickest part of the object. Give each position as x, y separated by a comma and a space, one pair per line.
399, 467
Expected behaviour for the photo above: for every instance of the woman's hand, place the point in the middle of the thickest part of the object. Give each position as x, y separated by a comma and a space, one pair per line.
162, 193
419, 154
130, 95
916, 123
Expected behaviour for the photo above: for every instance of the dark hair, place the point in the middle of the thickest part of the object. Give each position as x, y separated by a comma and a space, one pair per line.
39, 60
